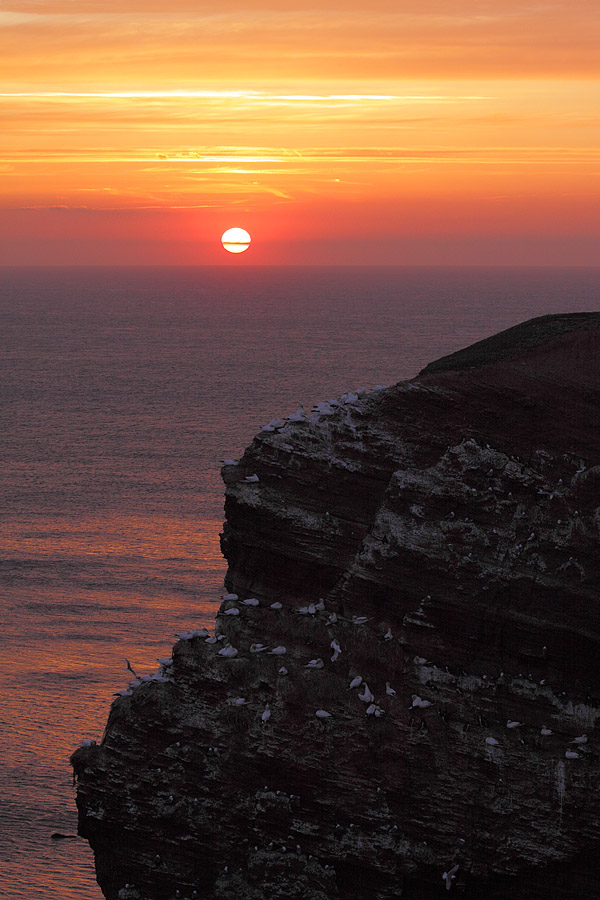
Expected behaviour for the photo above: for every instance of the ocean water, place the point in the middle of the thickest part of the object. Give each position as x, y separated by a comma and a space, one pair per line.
121, 390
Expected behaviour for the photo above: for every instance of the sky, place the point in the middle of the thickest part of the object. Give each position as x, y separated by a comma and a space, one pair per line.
390, 132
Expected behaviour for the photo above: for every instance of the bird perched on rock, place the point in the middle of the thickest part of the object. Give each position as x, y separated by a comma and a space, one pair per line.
277, 651
332, 619
389, 690
571, 754
251, 601
388, 635
315, 664
366, 696
336, 650
514, 724
419, 703
257, 648
582, 739
323, 714
282, 671
310, 610
211, 640
356, 682
266, 715
228, 652
360, 620
545, 731
252, 478
277, 605
491, 741
232, 611
229, 597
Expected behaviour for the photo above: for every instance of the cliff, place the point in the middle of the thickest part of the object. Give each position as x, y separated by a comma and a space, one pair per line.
401, 695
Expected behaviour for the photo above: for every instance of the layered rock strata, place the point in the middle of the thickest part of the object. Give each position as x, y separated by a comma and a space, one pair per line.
402, 693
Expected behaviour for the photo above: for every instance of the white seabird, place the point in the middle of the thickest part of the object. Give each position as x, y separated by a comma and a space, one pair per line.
257, 648
228, 652
277, 651
277, 605
356, 681
298, 416
282, 671
252, 478
211, 640
388, 635
229, 597
315, 664
360, 620
370, 711
389, 690
332, 619
240, 701
320, 605
232, 611
229, 462
309, 610
515, 724
251, 601
421, 704
582, 739
195, 632
449, 876
366, 696
125, 692
571, 754
323, 714
491, 741
266, 715
336, 650
545, 731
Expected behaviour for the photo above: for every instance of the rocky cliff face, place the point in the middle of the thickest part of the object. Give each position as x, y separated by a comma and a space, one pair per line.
402, 693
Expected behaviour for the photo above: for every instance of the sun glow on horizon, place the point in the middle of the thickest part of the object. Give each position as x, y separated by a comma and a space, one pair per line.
342, 133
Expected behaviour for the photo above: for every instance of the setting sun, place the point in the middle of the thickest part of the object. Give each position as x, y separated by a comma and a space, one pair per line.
236, 240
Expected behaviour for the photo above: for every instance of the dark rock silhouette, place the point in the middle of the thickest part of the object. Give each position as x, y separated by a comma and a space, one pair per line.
458, 514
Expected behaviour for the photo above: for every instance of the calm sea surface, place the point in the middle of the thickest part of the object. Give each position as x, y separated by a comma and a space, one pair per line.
121, 390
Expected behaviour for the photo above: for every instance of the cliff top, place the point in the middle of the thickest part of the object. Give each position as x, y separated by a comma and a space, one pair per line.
526, 336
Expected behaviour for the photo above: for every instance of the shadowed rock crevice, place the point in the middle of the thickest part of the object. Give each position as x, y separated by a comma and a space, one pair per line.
434, 545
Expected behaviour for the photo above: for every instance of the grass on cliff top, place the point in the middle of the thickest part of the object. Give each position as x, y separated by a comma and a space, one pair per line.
520, 337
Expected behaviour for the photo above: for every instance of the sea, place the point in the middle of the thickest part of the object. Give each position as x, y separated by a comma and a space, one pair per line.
121, 390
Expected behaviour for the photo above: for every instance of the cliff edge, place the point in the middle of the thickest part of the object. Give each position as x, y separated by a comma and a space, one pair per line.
401, 695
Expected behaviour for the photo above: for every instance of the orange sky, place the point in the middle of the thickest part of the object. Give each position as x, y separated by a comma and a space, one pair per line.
385, 132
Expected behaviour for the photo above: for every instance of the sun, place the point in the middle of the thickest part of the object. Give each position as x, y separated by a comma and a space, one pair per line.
236, 240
